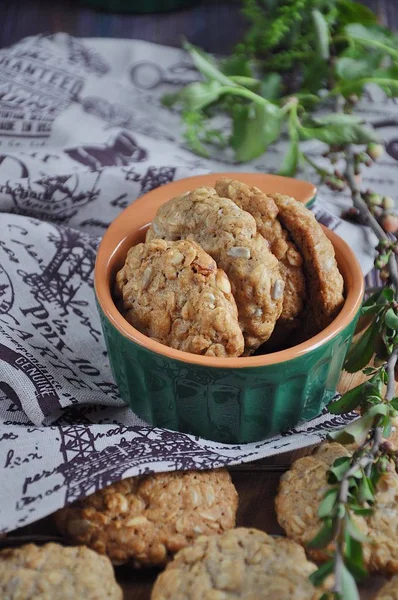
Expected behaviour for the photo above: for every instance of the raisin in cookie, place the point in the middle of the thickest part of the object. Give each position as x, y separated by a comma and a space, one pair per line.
144, 520
302, 489
174, 293
241, 563
52, 572
265, 213
325, 284
229, 234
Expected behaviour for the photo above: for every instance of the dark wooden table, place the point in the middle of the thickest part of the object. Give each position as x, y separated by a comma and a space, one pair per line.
215, 26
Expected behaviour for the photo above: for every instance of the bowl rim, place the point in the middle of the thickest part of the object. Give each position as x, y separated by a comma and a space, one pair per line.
108, 250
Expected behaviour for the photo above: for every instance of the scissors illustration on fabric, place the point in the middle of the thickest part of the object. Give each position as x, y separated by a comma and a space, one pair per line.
147, 75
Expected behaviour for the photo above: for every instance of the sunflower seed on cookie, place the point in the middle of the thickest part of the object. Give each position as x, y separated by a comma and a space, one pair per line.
229, 234
144, 520
174, 293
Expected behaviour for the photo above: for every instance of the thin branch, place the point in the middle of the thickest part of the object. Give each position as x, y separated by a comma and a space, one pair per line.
393, 271
320, 170
359, 203
367, 216
361, 459
392, 361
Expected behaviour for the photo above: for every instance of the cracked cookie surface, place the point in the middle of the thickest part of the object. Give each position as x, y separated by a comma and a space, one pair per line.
174, 293
265, 212
144, 520
229, 234
241, 563
52, 571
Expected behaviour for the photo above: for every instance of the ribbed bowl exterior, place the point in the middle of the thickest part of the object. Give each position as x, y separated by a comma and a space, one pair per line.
139, 6
225, 405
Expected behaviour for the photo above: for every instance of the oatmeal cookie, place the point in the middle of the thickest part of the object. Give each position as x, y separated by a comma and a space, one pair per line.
302, 489
52, 571
241, 563
265, 213
146, 519
325, 284
174, 293
389, 591
229, 234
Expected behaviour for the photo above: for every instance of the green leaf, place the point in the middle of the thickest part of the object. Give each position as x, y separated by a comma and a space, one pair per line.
394, 403
169, 100
323, 537
291, 159
375, 298
353, 12
207, 65
236, 64
377, 409
349, 590
362, 512
362, 351
366, 491
369, 370
387, 429
248, 82
348, 401
338, 134
318, 576
254, 128
308, 101
271, 86
322, 34
339, 468
199, 95
354, 531
193, 130
391, 319
315, 75
354, 557
326, 506
351, 69
371, 310
373, 37
356, 432
336, 119
388, 294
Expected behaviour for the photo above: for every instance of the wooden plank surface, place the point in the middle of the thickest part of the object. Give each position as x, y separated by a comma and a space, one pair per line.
215, 25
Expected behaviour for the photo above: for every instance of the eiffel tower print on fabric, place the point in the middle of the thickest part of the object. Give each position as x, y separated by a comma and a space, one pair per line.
71, 265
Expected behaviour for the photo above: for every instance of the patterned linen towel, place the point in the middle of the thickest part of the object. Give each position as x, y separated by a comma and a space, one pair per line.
83, 134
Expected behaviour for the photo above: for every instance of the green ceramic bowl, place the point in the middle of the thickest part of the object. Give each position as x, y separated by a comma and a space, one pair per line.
230, 400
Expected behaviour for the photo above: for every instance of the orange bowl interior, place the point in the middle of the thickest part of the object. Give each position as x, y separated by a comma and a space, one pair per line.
129, 229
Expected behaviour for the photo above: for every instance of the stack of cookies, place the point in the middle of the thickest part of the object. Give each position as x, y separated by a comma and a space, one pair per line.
227, 270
